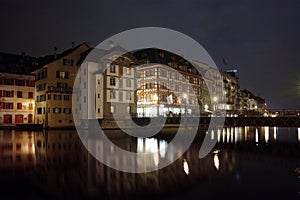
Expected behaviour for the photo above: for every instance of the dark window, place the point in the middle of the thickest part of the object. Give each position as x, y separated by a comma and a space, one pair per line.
68, 62
112, 81
112, 69
20, 82
19, 106
30, 95
66, 97
19, 94
39, 110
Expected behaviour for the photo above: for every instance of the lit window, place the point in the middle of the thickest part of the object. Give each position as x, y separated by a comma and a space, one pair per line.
62, 75
112, 109
128, 71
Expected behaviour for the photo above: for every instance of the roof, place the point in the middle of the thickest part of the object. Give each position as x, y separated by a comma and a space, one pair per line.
17, 64
51, 58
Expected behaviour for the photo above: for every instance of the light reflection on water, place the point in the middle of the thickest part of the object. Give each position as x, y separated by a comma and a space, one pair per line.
58, 164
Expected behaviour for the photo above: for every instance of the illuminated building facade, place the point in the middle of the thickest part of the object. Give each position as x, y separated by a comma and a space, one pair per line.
106, 84
168, 85
16, 98
54, 86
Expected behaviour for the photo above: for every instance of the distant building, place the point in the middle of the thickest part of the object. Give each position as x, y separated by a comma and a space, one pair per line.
54, 86
16, 89
253, 104
232, 91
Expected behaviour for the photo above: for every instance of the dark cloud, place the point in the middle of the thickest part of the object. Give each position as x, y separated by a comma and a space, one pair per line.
259, 38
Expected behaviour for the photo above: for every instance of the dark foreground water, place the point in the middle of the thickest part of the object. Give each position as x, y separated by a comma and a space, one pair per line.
246, 163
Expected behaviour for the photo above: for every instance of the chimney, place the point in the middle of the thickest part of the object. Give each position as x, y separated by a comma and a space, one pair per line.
110, 44
55, 52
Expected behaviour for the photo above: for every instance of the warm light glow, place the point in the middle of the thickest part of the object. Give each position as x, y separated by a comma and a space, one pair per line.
266, 134
256, 135
155, 97
163, 145
184, 95
216, 161
219, 135
186, 168
275, 133
215, 99
156, 158
212, 135
206, 107
299, 134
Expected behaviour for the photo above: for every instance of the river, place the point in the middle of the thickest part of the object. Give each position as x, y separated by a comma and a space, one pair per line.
246, 163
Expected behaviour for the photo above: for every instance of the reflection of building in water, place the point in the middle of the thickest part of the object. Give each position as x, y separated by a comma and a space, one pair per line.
97, 178
57, 156
17, 150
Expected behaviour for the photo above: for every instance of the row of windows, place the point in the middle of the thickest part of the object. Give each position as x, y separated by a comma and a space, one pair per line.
20, 106
68, 62
113, 109
112, 82
126, 70
41, 110
20, 94
41, 87
17, 82
129, 95
54, 96
41, 75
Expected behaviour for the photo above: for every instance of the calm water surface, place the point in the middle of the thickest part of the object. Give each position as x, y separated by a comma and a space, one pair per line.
246, 163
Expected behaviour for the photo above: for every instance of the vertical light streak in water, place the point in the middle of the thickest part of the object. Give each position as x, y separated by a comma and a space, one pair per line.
216, 161
163, 145
186, 168
266, 134
228, 135
212, 134
275, 133
224, 134
246, 133
231, 134
237, 134
256, 136
219, 135
299, 134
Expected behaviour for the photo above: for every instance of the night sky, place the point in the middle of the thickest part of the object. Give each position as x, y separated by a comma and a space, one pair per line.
259, 38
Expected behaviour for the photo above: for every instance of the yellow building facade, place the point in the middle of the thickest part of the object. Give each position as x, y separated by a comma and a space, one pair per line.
54, 86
